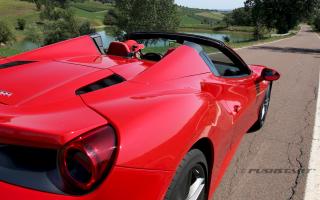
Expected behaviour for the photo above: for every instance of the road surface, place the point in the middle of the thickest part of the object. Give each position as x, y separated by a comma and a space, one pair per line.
266, 165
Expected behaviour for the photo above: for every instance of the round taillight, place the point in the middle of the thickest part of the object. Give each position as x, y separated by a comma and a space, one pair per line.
84, 162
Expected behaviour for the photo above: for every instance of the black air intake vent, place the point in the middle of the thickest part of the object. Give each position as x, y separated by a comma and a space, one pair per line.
15, 63
103, 83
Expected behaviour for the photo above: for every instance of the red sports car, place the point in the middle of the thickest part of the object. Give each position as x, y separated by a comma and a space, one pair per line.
156, 116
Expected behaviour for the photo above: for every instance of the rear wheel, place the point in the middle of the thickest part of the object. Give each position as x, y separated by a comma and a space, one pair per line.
191, 179
263, 111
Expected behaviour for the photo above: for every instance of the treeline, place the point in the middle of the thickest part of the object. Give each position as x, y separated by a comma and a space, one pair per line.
315, 20
142, 15
62, 3
281, 15
239, 17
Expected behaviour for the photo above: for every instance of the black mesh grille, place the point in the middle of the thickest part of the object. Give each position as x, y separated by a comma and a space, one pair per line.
103, 83
30, 168
15, 63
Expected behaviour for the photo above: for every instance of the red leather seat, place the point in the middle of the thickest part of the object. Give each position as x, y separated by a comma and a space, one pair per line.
118, 49
134, 46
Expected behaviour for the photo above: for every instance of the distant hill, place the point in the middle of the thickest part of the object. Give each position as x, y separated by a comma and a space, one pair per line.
200, 18
94, 11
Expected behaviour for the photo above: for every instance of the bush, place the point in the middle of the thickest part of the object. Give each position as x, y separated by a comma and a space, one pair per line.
6, 34
316, 22
86, 29
110, 18
91, 6
56, 31
21, 24
226, 38
34, 34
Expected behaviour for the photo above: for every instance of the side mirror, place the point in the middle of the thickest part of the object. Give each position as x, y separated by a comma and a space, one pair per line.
270, 75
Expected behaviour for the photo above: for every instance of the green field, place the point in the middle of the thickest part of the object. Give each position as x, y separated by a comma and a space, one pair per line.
218, 16
92, 6
95, 18
94, 12
14, 9
199, 19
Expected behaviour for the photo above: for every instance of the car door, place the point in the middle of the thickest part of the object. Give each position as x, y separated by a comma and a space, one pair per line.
239, 88
240, 95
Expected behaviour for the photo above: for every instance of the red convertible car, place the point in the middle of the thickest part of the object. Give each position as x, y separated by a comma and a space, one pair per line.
156, 116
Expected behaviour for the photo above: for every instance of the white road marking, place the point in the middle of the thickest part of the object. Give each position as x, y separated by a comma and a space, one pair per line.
312, 191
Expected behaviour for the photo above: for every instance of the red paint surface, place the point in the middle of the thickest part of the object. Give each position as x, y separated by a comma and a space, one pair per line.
159, 113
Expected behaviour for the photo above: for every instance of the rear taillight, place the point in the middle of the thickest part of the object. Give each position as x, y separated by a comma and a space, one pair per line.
85, 161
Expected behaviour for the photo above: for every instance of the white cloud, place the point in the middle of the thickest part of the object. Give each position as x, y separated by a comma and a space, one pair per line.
211, 4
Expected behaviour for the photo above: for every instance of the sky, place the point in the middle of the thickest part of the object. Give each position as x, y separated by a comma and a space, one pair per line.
212, 4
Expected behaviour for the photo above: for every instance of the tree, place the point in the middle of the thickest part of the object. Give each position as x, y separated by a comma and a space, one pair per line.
34, 34
239, 17
85, 28
38, 4
256, 7
21, 24
316, 22
59, 3
147, 15
110, 18
6, 35
60, 24
106, 1
282, 15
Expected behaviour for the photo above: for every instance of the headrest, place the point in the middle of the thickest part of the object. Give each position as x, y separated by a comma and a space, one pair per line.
118, 49
134, 46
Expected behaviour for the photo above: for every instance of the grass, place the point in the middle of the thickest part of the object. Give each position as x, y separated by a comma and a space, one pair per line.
14, 9
187, 20
92, 6
257, 42
95, 18
240, 28
217, 16
8, 51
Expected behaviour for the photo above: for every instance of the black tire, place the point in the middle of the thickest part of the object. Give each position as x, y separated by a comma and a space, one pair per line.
262, 112
192, 170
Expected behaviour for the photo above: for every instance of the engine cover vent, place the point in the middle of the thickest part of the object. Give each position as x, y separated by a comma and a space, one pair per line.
100, 84
14, 63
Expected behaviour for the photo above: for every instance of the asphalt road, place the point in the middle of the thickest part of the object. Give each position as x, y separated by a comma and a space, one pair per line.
285, 141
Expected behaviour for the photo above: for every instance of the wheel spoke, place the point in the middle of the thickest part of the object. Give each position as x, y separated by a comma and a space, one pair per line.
195, 189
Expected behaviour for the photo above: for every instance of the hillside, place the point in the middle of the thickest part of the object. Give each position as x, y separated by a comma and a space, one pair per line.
14, 9
94, 12
199, 18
